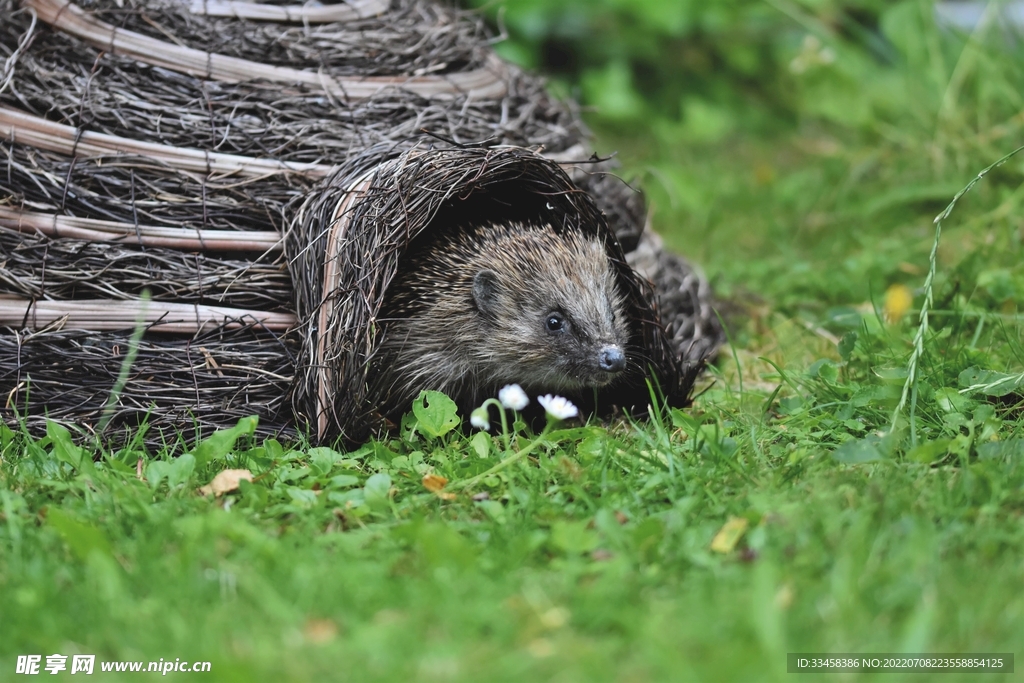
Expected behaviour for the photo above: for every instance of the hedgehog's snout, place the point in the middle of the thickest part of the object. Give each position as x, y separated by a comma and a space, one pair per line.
611, 359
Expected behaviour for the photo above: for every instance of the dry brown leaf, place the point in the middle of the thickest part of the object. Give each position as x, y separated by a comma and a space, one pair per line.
319, 631
434, 482
225, 482
729, 535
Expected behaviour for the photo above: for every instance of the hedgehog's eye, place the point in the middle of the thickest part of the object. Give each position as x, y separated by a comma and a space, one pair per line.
554, 322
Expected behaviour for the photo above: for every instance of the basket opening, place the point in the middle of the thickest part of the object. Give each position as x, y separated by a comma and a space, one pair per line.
513, 200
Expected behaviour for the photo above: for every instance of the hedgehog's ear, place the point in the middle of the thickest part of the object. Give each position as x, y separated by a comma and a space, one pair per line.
486, 289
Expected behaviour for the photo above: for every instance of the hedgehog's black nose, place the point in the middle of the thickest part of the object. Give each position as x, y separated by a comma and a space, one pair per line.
611, 359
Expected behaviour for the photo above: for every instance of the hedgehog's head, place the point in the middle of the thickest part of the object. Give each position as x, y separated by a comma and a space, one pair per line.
550, 313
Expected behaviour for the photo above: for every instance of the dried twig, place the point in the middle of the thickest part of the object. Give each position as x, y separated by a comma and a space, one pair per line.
346, 11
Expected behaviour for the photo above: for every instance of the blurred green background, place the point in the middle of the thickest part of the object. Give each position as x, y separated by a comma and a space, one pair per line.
799, 149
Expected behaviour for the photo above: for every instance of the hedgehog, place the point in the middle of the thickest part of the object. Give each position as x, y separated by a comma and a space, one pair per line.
481, 307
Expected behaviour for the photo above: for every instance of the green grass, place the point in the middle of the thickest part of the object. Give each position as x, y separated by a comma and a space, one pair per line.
591, 559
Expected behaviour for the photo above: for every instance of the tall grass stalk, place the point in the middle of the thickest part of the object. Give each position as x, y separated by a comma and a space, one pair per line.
910, 387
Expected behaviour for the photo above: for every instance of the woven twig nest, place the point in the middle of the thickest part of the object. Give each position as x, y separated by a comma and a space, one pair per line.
349, 239
170, 147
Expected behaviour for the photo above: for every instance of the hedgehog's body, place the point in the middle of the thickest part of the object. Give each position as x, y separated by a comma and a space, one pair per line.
499, 304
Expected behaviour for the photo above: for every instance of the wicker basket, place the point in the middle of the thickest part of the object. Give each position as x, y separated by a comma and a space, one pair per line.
258, 170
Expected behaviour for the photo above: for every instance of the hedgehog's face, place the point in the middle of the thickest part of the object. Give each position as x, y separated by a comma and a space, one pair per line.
556, 323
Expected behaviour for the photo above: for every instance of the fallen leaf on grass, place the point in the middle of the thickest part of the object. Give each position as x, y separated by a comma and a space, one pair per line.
225, 482
319, 631
435, 483
729, 535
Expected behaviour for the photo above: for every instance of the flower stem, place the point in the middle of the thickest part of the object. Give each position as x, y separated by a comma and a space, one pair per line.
514, 458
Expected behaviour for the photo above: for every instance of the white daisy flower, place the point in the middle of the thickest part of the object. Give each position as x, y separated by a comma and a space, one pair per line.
513, 397
558, 407
479, 419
